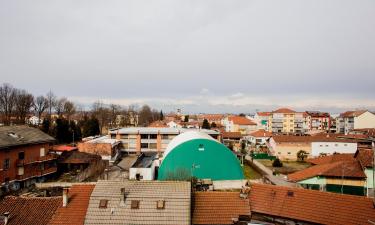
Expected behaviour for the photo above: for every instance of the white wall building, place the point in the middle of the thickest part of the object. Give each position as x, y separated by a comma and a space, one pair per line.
328, 148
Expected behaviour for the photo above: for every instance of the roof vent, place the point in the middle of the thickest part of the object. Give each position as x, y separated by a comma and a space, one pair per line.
290, 193
103, 203
134, 204
160, 204
201, 147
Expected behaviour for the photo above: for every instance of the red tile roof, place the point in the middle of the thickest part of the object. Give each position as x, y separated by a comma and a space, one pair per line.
64, 148
261, 133
75, 212
158, 123
347, 169
218, 207
240, 120
264, 113
211, 116
231, 134
331, 158
29, 210
311, 206
352, 113
284, 110
365, 157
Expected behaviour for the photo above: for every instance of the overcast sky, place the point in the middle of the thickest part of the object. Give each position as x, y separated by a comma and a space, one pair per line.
201, 56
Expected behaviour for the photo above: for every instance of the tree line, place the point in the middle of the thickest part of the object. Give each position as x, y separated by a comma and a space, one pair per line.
64, 119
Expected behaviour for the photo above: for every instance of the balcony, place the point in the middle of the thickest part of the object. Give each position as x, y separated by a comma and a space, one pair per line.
22, 162
36, 173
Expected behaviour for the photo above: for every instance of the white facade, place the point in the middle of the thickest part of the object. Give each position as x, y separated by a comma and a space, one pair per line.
366, 120
332, 147
142, 173
173, 124
34, 120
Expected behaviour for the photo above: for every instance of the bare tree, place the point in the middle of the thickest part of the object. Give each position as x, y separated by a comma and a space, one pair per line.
51, 98
40, 105
7, 102
69, 109
59, 106
145, 115
101, 112
23, 104
114, 110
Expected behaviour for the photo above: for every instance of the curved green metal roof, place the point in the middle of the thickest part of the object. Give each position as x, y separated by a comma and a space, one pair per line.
201, 158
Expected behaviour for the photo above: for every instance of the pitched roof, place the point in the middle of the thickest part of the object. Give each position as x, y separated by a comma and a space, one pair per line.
75, 211
316, 138
317, 114
365, 157
240, 120
352, 113
64, 148
261, 133
311, 206
264, 113
218, 207
226, 134
21, 135
331, 158
211, 116
347, 169
29, 210
158, 123
284, 110
176, 196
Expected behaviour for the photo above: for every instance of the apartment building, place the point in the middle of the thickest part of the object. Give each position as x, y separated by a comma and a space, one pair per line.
262, 119
285, 120
351, 120
135, 140
318, 121
24, 156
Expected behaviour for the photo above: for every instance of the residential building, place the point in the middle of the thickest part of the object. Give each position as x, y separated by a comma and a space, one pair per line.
220, 207
239, 124
196, 154
211, 118
285, 120
318, 121
24, 156
263, 119
135, 140
232, 139
140, 202
104, 146
365, 158
144, 167
351, 120
286, 205
346, 177
286, 147
259, 137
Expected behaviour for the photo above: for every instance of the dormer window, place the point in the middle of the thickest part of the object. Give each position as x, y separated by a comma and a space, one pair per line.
103, 204
160, 204
134, 204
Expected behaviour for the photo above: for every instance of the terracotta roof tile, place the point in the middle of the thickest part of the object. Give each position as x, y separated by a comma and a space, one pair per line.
331, 158
30, 210
218, 207
352, 113
311, 206
75, 212
264, 113
240, 120
231, 134
261, 133
284, 110
365, 157
158, 123
347, 169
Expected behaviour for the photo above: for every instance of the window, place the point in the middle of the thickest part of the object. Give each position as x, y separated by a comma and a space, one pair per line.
201, 147
134, 204
103, 203
345, 144
21, 155
153, 136
144, 136
144, 145
336, 145
124, 136
289, 153
6, 164
279, 153
152, 146
164, 137
160, 204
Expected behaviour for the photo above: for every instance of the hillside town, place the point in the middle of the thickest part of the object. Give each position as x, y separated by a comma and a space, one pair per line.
65, 165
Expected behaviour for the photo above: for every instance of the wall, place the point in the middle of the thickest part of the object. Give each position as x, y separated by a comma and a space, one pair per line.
288, 150
32, 153
332, 147
366, 120
103, 149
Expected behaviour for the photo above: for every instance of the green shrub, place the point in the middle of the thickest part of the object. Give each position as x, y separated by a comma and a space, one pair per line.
277, 163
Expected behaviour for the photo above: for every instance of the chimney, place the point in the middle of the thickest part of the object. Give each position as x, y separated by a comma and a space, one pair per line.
123, 196
6, 217
65, 197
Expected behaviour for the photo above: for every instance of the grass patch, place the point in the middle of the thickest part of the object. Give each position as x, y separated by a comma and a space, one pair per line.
288, 166
250, 173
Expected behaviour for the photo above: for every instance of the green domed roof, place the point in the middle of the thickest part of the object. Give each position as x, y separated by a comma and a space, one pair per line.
203, 158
